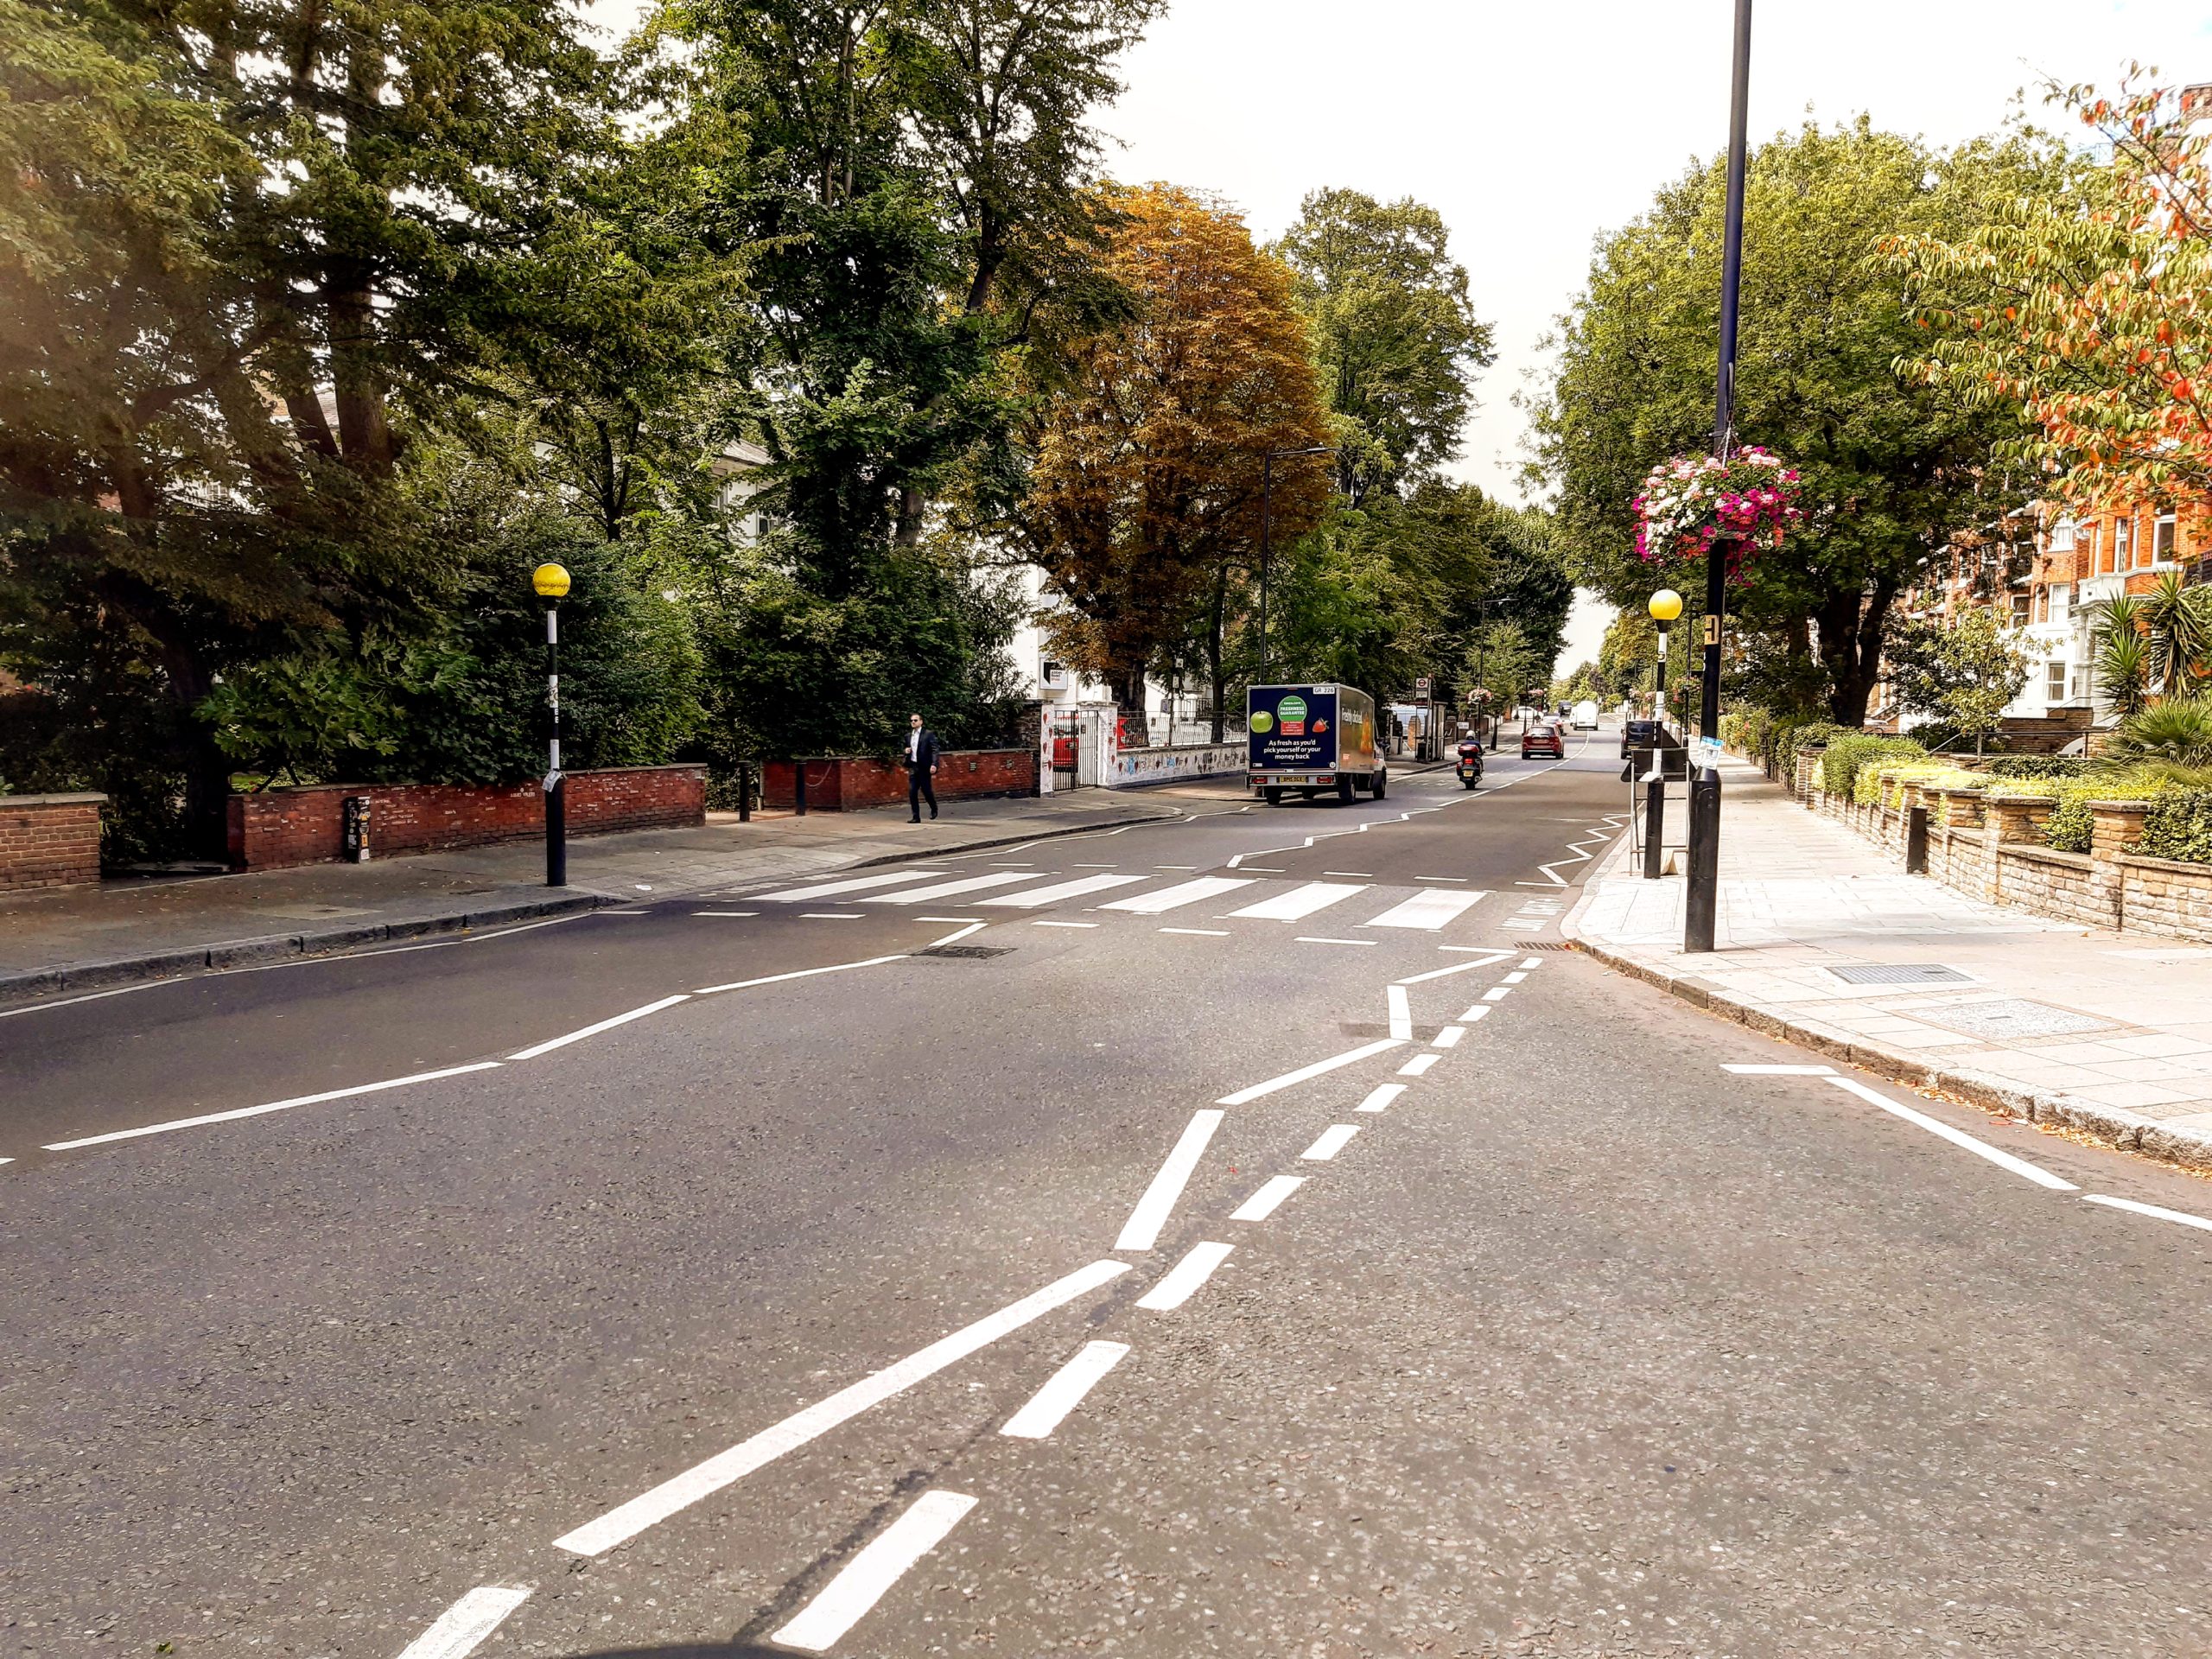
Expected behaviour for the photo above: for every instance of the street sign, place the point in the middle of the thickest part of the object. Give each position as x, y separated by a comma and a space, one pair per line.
1705, 752
1420, 688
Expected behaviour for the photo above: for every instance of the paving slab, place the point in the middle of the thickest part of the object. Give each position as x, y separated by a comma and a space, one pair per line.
2049, 1020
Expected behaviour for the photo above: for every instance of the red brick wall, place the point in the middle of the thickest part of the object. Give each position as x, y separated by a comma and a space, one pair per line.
847, 782
282, 827
49, 841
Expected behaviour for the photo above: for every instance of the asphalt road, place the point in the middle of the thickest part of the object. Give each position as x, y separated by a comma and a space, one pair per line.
700, 1333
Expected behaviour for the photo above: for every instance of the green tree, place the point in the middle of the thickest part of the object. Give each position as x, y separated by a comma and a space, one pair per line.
1962, 673
1395, 335
1892, 469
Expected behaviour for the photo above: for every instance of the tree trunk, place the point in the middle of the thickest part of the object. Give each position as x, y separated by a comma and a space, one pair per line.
1214, 642
1851, 626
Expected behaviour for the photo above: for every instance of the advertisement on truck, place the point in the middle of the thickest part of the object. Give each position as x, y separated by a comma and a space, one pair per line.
1314, 738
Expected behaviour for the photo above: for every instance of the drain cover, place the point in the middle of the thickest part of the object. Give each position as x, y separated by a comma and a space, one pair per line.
1900, 973
2012, 1016
966, 952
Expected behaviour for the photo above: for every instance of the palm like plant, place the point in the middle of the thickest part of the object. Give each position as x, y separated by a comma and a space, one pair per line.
2124, 658
2175, 730
2176, 618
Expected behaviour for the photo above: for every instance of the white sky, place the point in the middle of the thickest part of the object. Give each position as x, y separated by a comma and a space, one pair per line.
1533, 128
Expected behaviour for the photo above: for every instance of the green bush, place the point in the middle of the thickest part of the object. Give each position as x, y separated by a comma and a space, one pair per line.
2179, 826
2071, 826
1848, 755
1935, 774
2037, 765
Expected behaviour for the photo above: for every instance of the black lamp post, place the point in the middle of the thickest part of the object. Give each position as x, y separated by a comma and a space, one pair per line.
1664, 606
551, 582
1267, 512
1703, 898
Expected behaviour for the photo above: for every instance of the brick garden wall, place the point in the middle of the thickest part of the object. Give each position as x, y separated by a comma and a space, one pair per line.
848, 783
278, 828
49, 841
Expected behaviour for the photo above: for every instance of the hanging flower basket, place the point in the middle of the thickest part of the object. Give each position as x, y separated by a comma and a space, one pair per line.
1691, 501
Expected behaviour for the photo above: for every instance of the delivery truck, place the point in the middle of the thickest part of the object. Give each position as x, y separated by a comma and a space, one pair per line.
1315, 739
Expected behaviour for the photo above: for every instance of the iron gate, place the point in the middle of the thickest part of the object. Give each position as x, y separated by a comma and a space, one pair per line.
1078, 744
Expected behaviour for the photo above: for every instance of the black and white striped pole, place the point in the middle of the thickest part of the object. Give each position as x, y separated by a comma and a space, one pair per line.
551, 583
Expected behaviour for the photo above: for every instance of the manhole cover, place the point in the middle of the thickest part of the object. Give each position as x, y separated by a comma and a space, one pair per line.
966, 952
1900, 973
2012, 1017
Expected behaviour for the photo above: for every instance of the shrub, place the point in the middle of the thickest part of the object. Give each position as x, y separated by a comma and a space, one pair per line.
2071, 826
1848, 755
2178, 729
1935, 774
2037, 765
2179, 826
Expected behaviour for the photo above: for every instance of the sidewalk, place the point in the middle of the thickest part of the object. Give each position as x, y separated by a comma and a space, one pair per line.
1823, 941
82, 938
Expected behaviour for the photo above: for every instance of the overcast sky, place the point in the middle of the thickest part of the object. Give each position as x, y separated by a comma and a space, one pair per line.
1533, 128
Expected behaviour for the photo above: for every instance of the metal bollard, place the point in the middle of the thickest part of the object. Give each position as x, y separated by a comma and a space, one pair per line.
798, 788
745, 791
1916, 842
1655, 817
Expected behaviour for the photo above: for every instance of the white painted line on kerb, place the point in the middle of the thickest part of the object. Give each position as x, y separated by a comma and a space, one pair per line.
1064, 1391
1497, 992
800, 973
1448, 1038
954, 938
1782, 1071
624, 1522
237, 1113
1456, 967
2152, 1210
1349, 1057
1401, 1013
1185, 1278
845, 1599
1264, 1203
596, 1027
1480, 1011
1142, 1230
2019, 1167
468, 1622
1379, 1099
1418, 1066
1331, 1142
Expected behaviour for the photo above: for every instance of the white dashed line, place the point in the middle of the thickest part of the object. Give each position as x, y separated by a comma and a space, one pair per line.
1185, 1278
468, 1622
845, 1599
805, 972
1349, 1057
1308, 939
1449, 1037
1497, 992
1263, 1202
234, 1114
1142, 1230
1480, 1011
2019, 1167
1331, 1142
1378, 1099
1418, 1066
1199, 932
2151, 1210
594, 1029
1063, 1391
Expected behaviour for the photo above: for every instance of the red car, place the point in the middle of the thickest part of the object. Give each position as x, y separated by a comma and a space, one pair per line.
1543, 740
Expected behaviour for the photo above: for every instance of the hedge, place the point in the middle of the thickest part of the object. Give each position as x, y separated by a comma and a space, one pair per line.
2037, 765
1846, 756
2179, 826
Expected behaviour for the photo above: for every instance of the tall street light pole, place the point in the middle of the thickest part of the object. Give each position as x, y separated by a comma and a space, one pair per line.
551, 582
1703, 898
1267, 513
1664, 606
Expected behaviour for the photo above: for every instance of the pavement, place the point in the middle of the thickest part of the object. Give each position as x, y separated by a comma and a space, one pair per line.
1250, 1233
1821, 938
80, 938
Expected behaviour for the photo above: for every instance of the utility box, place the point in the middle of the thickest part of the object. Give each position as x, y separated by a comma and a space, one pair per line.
356, 828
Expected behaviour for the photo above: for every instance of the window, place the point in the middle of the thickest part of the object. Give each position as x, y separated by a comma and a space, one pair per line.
2020, 610
2123, 543
2062, 600
2054, 682
2096, 549
2062, 536
2165, 538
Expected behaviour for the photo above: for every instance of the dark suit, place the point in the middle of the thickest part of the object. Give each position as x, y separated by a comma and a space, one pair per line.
921, 768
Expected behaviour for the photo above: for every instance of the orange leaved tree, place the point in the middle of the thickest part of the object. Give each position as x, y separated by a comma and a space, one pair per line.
2090, 309
1146, 478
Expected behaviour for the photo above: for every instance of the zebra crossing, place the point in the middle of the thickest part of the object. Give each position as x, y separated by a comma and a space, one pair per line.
1427, 910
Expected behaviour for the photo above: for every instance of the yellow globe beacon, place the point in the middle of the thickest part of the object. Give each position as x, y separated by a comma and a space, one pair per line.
1666, 605
552, 580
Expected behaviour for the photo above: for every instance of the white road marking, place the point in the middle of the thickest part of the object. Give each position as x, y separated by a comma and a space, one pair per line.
830, 916
1264, 870
624, 1522
468, 1622
1368, 873
941, 918
1478, 1012
1349, 1057
1185, 1278
2019, 1167
1513, 979
1175, 867
1142, 1230
1782, 1071
1304, 939
1057, 891
1401, 1013
845, 1599
1330, 1143
1427, 911
596, 1027
1183, 892
1300, 902
1531, 962
945, 889
1064, 1391
800, 973
1439, 878
1449, 1037
2183, 1217
1080, 865
1379, 1098
1489, 956
853, 884
1418, 1066
1497, 992
1199, 932
1264, 1203
1063, 923
237, 1113
611, 912
954, 938
725, 912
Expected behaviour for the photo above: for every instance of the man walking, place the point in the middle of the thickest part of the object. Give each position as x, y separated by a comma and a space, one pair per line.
921, 767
